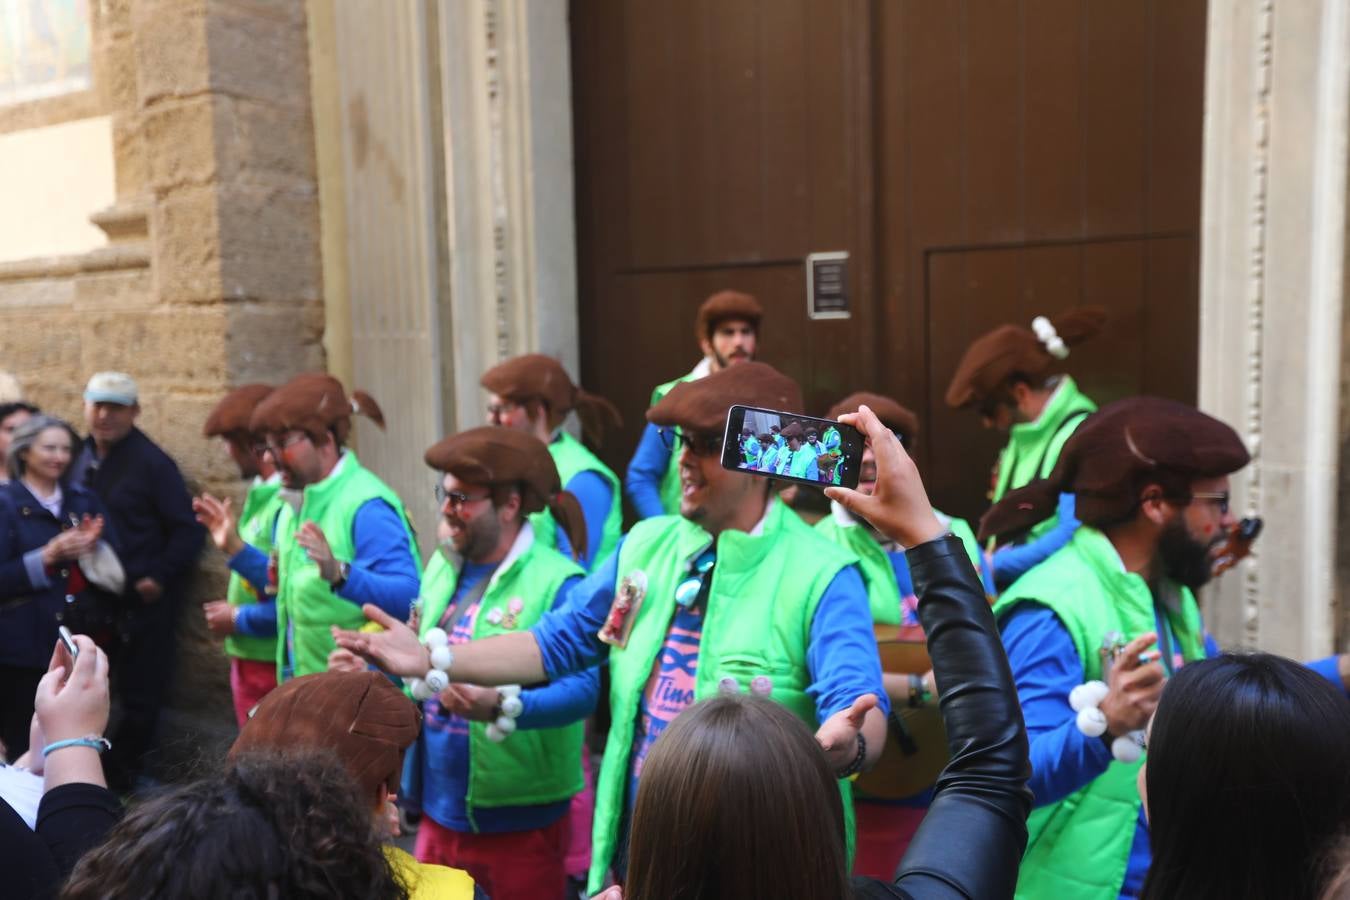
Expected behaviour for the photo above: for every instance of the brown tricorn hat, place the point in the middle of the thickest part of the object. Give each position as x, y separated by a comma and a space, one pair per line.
793, 430
894, 416
725, 306
1114, 454
230, 418
536, 376
360, 716
701, 406
1011, 350
491, 455
314, 403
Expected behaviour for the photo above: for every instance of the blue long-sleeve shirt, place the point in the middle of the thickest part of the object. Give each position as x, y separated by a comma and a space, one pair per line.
841, 652
1015, 560
1046, 667
443, 747
383, 570
595, 496
646, 470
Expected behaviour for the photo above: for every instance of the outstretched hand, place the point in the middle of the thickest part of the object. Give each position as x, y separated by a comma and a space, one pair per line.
396, 649
838, 735
899, 506
220, 521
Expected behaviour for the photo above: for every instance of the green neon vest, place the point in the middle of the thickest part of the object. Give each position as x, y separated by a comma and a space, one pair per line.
1079, 847
572, 458
757, 621
306, 604
1033, 447
259, 515
670, 482
532, 766
883, 593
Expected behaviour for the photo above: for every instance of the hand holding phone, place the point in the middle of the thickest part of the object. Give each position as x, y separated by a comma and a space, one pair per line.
791, 447
898, 507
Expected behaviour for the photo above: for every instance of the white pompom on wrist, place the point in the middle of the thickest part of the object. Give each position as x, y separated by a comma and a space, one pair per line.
1091, 721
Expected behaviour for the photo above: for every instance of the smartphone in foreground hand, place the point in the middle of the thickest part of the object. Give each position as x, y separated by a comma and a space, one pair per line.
792, 447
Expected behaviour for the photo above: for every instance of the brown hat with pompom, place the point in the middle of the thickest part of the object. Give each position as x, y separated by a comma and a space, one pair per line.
726, 306
701, 405
360, 716
230, 418
894, 416
315, 403
1114, 454
491, 455
1011, 350
536, 376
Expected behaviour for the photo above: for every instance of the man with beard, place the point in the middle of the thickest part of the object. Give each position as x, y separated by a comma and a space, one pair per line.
885, 827
496, 804
533, 393
734, 594
1151, 481
796, 459
348, 542
1014, 378
727, 328
768, 453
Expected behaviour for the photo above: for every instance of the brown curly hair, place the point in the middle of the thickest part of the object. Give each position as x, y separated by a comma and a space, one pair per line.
273, 825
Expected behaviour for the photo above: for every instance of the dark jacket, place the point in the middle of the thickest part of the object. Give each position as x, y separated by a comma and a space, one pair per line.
72, 819
150, 506
970, 843
28, 613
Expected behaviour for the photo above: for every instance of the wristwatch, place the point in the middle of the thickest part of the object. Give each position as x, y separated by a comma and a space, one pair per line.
344, 569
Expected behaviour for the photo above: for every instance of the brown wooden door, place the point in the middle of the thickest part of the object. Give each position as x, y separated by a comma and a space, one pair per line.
982, 161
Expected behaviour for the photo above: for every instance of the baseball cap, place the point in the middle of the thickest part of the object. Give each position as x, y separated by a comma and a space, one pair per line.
111, 387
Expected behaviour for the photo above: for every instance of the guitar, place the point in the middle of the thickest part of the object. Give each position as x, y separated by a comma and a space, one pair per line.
1239, 545
916, 741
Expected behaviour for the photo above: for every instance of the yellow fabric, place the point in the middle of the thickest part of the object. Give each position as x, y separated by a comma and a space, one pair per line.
427, 882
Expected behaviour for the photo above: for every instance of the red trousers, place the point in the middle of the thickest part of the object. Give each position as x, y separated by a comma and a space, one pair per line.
512, 865
884, 833
579, 816
250, 680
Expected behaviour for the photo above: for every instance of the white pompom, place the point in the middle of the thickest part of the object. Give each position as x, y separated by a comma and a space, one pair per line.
1091, 721
512, 707
509, 690
494, 733
435, 637
1090, 693
1043, 328
437, 681
1057, 348
505, 725
1126, 748
419, 689
441, 657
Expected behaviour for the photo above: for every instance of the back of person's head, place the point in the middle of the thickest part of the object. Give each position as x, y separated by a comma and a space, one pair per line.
1247, 782
736, 800
270, 826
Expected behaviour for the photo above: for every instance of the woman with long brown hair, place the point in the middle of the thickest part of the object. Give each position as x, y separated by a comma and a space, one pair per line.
737, 800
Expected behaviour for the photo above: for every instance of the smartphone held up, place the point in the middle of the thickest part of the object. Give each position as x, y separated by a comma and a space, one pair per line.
792, 447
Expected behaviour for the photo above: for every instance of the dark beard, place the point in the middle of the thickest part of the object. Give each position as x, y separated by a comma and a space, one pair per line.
1184, 559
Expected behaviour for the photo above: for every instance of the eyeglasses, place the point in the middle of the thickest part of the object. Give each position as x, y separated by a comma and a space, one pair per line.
703, 444
496, 410
275, 449
1218, 498
458, 499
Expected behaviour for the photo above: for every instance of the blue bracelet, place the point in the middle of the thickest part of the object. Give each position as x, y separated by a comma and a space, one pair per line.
101, 744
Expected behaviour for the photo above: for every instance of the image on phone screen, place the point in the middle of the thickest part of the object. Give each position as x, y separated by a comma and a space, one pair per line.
792, 447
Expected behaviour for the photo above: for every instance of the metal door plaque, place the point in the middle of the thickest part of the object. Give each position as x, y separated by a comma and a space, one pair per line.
827, 285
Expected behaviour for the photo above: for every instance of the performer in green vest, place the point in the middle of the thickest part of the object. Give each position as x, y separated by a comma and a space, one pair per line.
347, 541
1093, 632
533, 393
253, 660
1013, 378
734, 594
885, 827
496, 803
727, 328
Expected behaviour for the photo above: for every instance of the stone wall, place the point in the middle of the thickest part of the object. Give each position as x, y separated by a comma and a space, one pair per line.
212, 275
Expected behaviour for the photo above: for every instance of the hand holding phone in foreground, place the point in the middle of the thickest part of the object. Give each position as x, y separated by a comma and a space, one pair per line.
898, 507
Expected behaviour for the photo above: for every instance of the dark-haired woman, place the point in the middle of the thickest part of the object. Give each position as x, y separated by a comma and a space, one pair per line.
1246, 786
737, 800
50, 531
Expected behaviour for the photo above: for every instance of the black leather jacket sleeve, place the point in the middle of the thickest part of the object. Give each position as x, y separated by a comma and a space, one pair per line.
972, 839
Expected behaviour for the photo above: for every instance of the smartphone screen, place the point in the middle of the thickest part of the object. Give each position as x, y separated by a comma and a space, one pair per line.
792, 447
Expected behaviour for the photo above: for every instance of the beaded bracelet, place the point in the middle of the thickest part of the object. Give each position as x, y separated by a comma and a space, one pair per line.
855, 767
505, 712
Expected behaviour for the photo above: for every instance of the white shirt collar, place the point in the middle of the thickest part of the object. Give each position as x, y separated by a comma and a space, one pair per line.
704, 367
